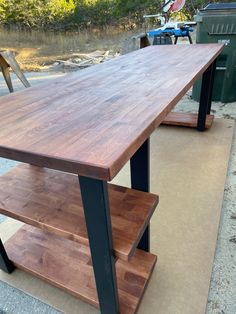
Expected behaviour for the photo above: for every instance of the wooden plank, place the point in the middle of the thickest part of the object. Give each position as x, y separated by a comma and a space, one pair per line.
91, 122
68, 266
51, 200
186, 119
144, 41
7, 78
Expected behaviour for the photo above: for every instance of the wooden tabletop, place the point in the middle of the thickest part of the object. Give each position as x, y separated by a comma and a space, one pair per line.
91, 122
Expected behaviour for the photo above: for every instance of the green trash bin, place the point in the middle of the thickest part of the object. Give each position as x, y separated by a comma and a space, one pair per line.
216, 23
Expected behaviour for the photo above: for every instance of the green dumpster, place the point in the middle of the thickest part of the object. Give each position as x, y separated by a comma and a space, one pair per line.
216, 23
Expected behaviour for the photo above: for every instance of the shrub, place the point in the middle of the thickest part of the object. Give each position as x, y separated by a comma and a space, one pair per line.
84, 13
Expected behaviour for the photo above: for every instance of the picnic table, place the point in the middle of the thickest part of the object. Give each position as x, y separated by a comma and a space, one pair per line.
73, 135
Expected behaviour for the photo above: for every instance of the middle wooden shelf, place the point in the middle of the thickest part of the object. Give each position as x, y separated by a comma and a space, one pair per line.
51, 200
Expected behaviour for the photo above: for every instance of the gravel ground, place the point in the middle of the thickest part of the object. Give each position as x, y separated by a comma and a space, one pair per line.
223, 283
14, 301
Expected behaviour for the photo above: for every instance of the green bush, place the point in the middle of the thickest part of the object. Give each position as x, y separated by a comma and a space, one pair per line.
35, 13
59, 10
84, 13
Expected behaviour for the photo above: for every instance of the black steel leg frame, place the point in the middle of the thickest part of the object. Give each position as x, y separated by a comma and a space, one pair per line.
140, 180
206, 96
96, 209
97, 216
5, 264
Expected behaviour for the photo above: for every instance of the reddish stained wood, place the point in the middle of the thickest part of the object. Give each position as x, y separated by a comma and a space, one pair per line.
91, 122
68, 266
51, 200
186, 119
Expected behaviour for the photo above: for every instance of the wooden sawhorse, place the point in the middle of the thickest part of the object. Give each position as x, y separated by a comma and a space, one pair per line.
7, 60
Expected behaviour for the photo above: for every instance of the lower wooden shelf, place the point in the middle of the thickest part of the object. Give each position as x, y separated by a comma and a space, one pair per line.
51, 200
68, 265
186, 119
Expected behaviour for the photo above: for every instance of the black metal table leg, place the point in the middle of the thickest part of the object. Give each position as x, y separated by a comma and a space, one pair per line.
190, 39
213, 70
5, 264
206, 96
97, 216
140, 180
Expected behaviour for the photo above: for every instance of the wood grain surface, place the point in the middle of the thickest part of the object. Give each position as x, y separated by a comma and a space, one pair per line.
68, 266
51, 200
186, 119
92, 121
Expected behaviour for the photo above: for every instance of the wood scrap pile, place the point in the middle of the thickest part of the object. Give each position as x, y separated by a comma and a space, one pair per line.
84, 60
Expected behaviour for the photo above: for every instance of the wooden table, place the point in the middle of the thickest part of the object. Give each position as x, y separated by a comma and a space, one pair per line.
90, 123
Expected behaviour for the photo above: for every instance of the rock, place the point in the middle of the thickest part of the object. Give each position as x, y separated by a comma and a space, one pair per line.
233, 239
233, 216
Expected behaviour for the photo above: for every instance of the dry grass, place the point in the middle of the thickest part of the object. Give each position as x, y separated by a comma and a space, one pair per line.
36, 50
32, 60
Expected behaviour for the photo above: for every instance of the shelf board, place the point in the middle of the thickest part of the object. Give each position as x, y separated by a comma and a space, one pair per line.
186, 119
69, 267
51, 200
